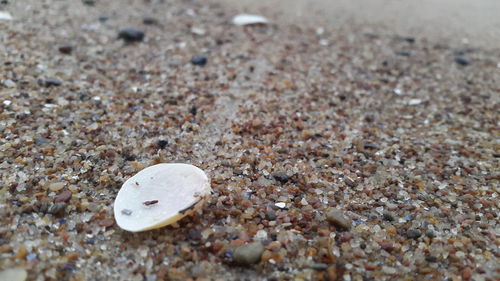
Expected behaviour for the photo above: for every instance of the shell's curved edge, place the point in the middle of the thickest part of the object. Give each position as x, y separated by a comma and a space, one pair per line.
200, 198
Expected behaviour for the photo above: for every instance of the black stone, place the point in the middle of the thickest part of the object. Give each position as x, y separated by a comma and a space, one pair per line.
462, 61
193, 110
52, 83
149, 21
413, 233
103, 19
403, 53
66, 49
162, 144
370, 146
199, 60
408, 39
431, 259
283, 178
130, 35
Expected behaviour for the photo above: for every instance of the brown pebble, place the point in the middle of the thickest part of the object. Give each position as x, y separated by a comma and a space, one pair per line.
64, 196
106, 222
466, 274
350, 182
387, 246
337, 218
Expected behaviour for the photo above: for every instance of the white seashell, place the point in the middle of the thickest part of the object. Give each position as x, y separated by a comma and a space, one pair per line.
5, 16
246, 19
160, 195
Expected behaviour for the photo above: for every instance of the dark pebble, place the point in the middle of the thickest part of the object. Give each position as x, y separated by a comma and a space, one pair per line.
43, 208
199, 60
41, 141
130, 35
57, 208
403, 53
404, 38
16, 203
431, 259
52, 83
149, 21
89, 2
103, 19
194, 235
162, 144
66, 49
370, 146
271, 215
283, 178
413, 233
388, 216
193, 110
64, 196
462, 61
429, 233
350, 182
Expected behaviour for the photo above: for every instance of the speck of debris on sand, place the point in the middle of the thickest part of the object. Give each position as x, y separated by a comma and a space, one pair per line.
280, 118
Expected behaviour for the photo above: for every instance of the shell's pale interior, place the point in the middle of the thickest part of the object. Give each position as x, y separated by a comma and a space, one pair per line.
160, 195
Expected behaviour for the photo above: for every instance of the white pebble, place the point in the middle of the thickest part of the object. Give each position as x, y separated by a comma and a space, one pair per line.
247, 19
160, 195
280, 205
5, 15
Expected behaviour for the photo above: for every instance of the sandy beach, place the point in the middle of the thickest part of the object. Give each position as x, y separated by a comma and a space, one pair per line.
341, 143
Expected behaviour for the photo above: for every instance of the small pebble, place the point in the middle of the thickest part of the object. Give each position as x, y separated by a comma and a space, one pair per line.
130, 35
429, 233
408, 39
280, 205
337, 218
89, 2
64, 196
52, 83
318, 266
106, 222
56, 186
57, 208
431, 259
388, 216
199, 60
283, 178
149, 21
66, 49
13, 274
413, 233
249, 253
462, 61
162, 144
350, 182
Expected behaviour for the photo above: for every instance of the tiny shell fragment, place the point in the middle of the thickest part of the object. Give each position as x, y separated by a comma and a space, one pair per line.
5, 15
247, 19
160, 195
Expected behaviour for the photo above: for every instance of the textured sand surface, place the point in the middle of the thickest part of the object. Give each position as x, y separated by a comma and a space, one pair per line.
346, 152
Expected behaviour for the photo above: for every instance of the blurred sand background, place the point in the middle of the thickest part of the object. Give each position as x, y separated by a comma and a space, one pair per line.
469, 22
